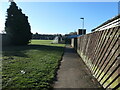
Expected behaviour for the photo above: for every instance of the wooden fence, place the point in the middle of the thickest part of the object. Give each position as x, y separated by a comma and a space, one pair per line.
100, 51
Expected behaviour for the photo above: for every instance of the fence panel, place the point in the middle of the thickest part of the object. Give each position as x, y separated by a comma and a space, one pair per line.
100, 51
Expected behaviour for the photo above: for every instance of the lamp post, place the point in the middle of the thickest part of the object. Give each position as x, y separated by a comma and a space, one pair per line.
83, 23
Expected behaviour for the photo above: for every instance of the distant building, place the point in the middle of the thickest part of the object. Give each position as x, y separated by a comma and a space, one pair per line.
74, 37
81, 31
115, 21
57, 39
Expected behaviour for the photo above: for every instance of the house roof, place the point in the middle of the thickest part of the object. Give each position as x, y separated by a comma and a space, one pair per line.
108, 21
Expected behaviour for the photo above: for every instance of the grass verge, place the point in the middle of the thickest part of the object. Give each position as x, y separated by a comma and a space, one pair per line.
33, 66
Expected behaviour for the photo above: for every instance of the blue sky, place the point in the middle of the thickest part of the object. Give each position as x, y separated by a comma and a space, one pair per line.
63, 17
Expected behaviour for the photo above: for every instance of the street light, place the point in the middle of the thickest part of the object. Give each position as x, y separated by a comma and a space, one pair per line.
83, 23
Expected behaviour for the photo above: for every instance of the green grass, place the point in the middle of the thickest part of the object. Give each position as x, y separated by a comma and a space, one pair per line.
45, 42
33, 66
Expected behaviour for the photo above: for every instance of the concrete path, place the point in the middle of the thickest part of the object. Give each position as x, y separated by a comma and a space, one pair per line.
73, 72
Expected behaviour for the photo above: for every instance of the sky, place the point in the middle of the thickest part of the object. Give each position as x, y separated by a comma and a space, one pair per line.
62, 17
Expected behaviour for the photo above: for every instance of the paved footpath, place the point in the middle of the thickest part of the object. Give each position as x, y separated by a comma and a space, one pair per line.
73, 72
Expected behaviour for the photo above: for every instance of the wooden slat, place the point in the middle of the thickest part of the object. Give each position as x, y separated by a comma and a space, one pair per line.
99, 49
108, 66
108, 62
109, 73
113, 80
99, 35
102, 51
96, 39
107, 51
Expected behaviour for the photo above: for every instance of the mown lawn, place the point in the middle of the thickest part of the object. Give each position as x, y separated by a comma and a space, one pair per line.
31, 67
45, 42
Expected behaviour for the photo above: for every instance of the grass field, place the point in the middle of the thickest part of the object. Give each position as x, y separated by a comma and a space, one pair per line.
33, 66
45, 42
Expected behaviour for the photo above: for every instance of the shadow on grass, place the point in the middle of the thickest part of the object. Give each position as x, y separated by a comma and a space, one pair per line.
20, 50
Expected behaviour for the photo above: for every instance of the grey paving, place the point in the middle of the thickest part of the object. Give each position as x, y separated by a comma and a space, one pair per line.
73, 72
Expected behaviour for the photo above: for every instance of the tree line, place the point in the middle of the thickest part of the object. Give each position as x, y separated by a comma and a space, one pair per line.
45, 36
